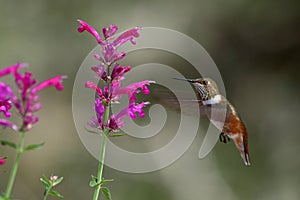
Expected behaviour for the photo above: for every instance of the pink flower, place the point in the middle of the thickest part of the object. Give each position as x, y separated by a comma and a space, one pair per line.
28, 102
109, 48
112, 91
115, 121
5, 123
109, 31
12, 69
128, 35
99, 108
118, 71
2, 161
55, 81
93, 86
6, 94
134, 108
101, 72
97, 122
86, 27
132, 89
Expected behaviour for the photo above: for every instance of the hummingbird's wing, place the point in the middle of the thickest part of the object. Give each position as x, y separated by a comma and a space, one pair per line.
181, 103
217, 112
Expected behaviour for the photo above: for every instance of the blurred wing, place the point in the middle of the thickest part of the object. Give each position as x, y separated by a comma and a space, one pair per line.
217, 113
168, 99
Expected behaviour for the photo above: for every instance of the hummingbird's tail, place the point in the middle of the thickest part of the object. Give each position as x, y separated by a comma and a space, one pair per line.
245, 152
242, 145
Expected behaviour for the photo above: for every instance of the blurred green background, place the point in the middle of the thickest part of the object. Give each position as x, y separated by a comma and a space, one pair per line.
256, 46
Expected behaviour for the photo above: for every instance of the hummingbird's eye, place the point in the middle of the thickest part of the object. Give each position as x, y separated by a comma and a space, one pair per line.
203, 82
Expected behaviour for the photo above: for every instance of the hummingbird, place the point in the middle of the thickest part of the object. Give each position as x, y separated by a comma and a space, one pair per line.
233, 126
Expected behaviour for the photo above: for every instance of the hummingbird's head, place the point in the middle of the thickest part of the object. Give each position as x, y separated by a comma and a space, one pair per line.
206, 87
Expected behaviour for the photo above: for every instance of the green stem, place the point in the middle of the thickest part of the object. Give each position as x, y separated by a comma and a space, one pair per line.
102, 154
46, 193
45, 196
15, 167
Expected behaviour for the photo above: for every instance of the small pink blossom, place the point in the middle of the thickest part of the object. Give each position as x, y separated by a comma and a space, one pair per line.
12, 69
109, 31
86, 27
134, 108
55, 81
118, 71
97, 122
6, 95
2, 161
101, 72
127, 36
5, 106
99, 108
5, 123
132, 89
115, 121
93, 86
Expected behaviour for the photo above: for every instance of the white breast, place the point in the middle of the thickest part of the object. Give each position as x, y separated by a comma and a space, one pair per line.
215, 100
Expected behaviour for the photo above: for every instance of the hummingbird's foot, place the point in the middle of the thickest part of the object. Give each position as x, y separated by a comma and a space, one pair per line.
224, 138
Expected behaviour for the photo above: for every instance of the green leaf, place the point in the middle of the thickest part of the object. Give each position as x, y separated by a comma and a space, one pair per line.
46, 182
8, 143
34, 146
91, 131
58, 181
55, 193
116, 134
106, 181
93, 184
94, 178
106, 193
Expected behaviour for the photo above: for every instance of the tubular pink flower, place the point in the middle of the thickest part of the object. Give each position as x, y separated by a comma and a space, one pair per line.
115, 121
6, 95
119, 56
12, 69
5, 106
55, 81
98, 57
93, 86
118, 71
128, 35
134, 108
99, 108
109, 31
109, 52
24, 83
132, 89
100, 71
86, 27
97, 122
94, 123
6, 123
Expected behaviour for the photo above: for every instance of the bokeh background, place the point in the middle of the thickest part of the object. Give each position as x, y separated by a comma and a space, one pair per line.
256, 46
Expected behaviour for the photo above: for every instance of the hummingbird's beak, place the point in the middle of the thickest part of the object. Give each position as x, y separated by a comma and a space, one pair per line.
184, 79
